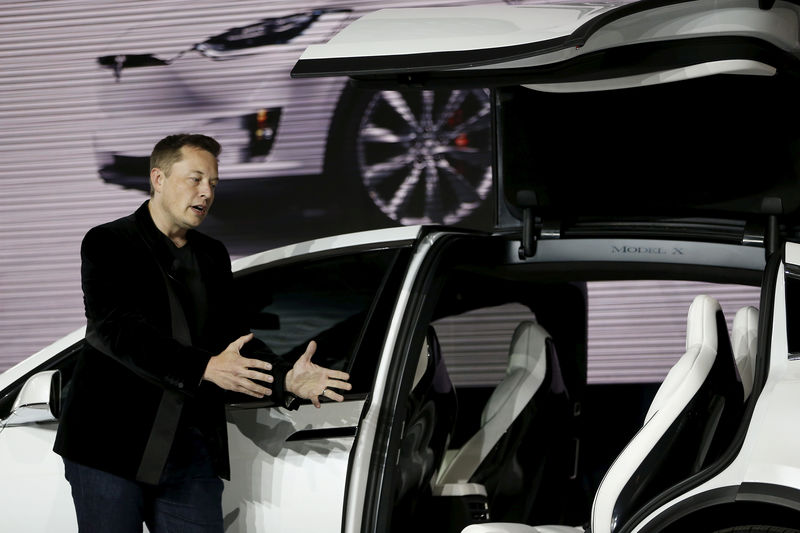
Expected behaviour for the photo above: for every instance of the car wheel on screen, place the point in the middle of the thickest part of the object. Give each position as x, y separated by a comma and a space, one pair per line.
421, 156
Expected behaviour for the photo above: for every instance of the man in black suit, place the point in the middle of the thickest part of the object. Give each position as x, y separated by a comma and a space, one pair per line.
143, 433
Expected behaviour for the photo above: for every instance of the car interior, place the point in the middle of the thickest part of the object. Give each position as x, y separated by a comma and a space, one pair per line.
540, 444
507, 454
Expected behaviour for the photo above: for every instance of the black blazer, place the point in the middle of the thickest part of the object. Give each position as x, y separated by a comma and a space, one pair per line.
136, 374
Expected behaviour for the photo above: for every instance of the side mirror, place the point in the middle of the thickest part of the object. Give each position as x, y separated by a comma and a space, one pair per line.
38, 401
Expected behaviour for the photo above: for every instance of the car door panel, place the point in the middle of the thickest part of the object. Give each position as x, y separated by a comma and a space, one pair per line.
286, 464
411, 39
35, 495
501, 44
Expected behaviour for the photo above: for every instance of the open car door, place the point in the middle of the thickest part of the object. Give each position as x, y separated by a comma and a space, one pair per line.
588, 113
561, 46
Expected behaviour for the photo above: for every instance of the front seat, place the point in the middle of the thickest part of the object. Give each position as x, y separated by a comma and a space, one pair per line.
691, 420
430, 418
509, 454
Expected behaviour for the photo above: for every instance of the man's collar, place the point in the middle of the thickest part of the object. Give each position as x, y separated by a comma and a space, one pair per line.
145, 221
154, 238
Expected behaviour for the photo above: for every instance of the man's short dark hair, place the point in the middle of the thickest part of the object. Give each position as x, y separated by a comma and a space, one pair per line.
167, 151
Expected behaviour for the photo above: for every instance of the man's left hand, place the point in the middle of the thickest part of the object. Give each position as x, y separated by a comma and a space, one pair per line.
310, 381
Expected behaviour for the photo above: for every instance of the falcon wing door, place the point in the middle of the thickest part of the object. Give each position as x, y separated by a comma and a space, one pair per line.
642, 110
563, 45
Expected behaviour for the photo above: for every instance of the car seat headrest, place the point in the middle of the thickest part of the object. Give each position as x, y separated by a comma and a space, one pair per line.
744, 340
525, 350
527, 364
701, 337
701, 326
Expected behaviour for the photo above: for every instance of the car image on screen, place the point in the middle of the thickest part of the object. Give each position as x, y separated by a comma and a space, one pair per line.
406, 156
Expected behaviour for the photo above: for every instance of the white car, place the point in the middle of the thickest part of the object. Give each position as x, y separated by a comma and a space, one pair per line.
515, 380
411, 158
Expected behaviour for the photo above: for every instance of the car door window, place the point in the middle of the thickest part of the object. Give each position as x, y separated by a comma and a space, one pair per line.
335, 301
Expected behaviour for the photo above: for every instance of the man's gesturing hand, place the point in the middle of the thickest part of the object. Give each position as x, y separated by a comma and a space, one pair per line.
230, 371
310, 381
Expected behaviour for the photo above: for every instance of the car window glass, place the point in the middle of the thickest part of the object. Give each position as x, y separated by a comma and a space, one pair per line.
329, 301
636, 330
475, 344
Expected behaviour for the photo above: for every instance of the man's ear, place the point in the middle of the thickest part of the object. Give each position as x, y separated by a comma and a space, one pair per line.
156, 179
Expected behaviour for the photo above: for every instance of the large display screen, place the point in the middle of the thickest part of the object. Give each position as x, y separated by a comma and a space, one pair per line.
87, 88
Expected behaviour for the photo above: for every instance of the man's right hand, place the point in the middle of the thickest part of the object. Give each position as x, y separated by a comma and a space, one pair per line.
230, 371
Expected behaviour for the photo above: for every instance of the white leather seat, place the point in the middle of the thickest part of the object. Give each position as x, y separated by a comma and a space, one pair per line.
704, 332
699, 376
527, 363
744, 341
686, 376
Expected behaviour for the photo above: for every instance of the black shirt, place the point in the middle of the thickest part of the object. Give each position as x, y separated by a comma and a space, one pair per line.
190, 443
191, 291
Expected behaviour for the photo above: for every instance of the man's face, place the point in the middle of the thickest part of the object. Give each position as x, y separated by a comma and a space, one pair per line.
184, 197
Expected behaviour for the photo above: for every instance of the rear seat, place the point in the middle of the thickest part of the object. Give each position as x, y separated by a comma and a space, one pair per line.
691, 420
523, 451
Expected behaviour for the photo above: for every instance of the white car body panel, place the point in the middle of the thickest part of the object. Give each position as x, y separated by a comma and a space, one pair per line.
705, 18
33, 490
275, 482
419, 30
365, 238
29, 465
506, 30
364, 447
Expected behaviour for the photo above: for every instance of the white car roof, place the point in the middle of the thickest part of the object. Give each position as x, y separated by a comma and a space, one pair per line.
366, 239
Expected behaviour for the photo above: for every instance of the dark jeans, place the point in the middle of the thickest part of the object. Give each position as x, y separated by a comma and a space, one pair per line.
188, 499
